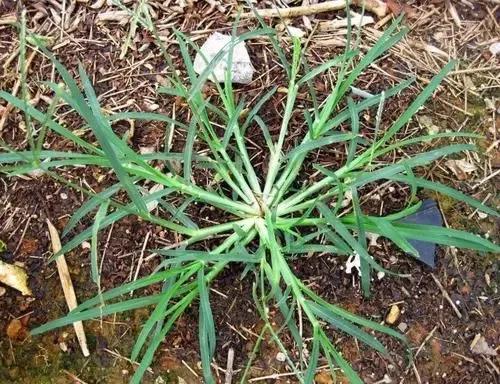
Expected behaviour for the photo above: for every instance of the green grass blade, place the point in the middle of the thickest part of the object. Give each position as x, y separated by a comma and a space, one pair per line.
415, 161
364, 266
89, 206
129, 287
313, 358
445, 190
147, 359
416, 104
108, 140
160, 311
347, 327
306, 147
147, 116
94, 252
327, 65
44, 119
206, 329
92, 313
343, 231
188, 150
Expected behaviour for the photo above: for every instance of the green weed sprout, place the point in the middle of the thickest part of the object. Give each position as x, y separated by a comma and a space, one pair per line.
269, 219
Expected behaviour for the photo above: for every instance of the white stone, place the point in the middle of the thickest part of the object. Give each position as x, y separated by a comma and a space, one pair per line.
241, 67
295, 32
280, 356
495, 48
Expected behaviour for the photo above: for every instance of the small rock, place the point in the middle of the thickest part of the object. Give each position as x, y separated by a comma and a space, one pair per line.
160, 380
147, 150
482, 215
479, 346
490, 104
295, 32
403, 327
280, 356
469, 84
393, 315
151, 107
241, 66
63, 346
385, 380
495, 48
2, 291
373, 237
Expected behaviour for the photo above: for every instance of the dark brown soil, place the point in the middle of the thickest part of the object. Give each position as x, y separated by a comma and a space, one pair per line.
433, 328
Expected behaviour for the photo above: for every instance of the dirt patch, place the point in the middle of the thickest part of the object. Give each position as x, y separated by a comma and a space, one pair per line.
441, 338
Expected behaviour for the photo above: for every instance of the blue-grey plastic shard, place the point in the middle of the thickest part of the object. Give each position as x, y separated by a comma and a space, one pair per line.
428, 214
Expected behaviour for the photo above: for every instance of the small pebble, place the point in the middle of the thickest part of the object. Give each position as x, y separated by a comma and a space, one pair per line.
403, 327
2, 291
495, 48
63, 196
63, 346
280, 356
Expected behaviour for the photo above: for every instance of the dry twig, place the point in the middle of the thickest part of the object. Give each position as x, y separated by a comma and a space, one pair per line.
446, 296
229, 366
67, 285
376, 6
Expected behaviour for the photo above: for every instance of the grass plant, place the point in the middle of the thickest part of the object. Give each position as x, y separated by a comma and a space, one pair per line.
270, 220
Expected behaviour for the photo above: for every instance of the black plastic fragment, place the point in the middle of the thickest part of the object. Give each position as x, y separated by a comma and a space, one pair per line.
429, 214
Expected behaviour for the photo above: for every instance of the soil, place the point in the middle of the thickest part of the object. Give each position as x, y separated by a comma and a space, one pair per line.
439, 338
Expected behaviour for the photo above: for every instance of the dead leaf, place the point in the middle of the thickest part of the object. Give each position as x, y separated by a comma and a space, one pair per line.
461, 168
323, 377
397, 8
16, 330
15, 277
479, 346
122, 17
426, 122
